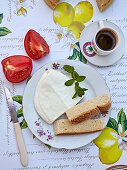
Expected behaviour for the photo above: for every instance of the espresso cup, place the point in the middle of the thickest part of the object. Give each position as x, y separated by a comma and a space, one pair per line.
105, 40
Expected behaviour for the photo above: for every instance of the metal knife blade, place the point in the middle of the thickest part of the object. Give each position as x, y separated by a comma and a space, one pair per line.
11, 105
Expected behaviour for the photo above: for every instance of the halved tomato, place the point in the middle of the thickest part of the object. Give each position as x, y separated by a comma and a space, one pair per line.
17, 68
35, 45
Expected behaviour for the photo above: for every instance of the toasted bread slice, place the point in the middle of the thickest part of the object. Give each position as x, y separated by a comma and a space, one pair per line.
52, 3
88, 109
103, 4
64, 127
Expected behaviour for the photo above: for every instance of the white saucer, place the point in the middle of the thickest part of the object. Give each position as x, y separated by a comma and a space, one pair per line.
86, 39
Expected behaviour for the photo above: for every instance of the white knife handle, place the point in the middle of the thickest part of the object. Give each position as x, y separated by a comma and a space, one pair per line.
21, 144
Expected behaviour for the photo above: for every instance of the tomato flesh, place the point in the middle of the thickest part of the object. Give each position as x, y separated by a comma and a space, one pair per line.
35, 45
17, 68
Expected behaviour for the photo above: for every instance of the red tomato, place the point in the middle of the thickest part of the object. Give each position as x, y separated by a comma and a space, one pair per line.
17, 68
35, 45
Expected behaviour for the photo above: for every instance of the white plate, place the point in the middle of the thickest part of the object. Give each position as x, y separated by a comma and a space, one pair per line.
86, 39
95, 85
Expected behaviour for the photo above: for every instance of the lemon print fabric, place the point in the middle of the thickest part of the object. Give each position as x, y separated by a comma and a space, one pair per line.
109, 151
83, 11
110, 156
106, 140
77, 28
63, 14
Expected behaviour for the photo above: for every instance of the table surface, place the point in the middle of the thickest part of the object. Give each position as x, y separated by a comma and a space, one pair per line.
40, 18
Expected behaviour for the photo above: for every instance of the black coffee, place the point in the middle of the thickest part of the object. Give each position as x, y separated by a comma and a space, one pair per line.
106, 40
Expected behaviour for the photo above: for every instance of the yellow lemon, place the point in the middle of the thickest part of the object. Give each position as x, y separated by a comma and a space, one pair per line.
106, 140
111, 155
83, 11
63, 14
77, 28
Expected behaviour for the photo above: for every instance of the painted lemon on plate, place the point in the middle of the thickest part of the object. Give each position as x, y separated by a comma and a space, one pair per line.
77, 28
110, 156
106, 140
63, 14
83, 11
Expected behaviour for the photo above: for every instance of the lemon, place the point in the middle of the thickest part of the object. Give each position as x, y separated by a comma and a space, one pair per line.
77, 28
106, 140
63, 14
111, 155
83, 11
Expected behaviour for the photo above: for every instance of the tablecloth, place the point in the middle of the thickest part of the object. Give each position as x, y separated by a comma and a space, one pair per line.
16, 18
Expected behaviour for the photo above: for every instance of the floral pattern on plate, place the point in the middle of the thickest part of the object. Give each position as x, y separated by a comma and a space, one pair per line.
41, 131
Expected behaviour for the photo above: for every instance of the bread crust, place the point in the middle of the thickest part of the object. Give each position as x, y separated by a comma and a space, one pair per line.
76, 133
88, 109
105, 107
52, 3
64, 127
103, 4
85, 115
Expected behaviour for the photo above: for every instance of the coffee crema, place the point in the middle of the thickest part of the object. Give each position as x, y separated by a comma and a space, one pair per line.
106, 39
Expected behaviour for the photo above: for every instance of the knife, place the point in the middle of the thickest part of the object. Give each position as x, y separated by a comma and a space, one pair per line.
17, 129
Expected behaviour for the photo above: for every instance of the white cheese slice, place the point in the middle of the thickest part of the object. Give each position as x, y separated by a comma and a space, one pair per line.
52, 98
37, 103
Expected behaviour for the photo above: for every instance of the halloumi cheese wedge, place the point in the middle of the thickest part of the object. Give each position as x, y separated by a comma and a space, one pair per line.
52, 98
